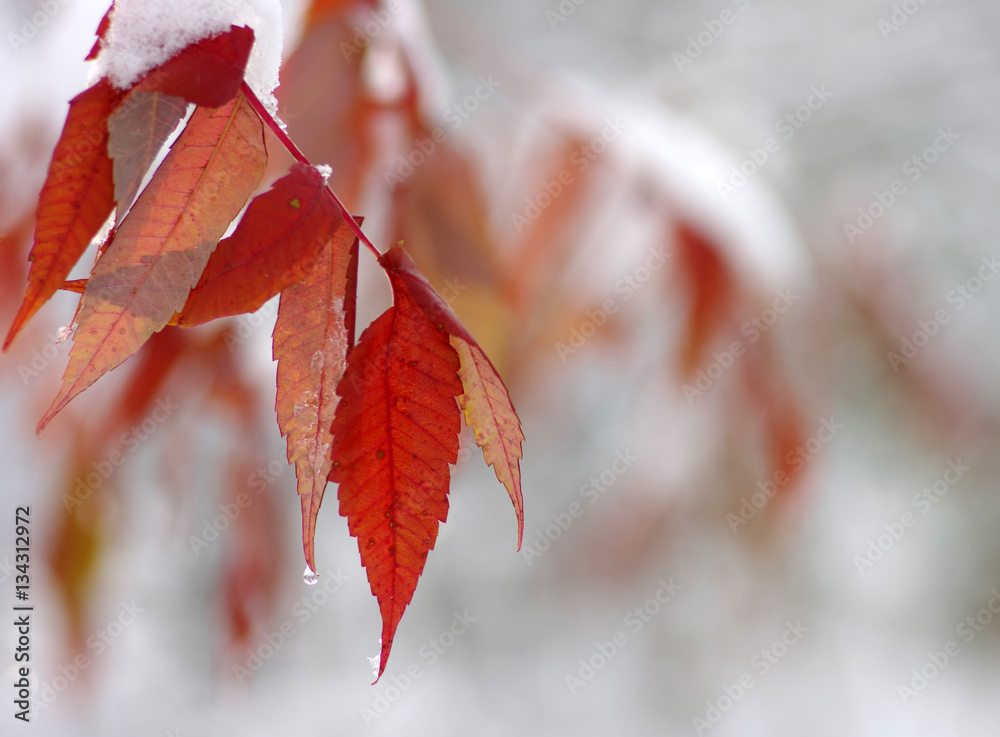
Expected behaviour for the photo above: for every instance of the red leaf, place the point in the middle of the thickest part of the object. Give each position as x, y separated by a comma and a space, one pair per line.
282, 230
102, 31
395, 434
398, 263
312, 334
485, 399
137, 131
713, 294
77, 198
323, 96
208, 72
161, 248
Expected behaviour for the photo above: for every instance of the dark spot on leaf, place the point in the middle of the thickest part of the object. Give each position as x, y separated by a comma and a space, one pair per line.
381, 454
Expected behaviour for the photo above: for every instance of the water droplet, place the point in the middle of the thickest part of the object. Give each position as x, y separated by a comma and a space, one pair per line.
63, 333
310, 576
375, 661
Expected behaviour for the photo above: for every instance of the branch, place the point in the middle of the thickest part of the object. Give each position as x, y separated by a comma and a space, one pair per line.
287, 142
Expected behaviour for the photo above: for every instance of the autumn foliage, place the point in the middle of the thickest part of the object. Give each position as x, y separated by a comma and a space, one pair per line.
380, 418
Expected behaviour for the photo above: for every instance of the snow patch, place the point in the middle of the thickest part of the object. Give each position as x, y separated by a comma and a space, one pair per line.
145, 33
325, 170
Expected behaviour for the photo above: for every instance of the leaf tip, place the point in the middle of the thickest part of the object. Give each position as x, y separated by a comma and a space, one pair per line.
308, 530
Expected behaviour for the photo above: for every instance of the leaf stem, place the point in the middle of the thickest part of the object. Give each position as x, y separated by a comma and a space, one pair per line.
287, 142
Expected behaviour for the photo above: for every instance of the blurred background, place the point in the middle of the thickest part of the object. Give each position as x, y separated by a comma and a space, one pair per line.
736, 261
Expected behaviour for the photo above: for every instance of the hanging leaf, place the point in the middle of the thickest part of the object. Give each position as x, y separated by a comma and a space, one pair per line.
312, 336
282, 234
495, 424
395, 434
76, 200
485, 399
162, 247
137, 131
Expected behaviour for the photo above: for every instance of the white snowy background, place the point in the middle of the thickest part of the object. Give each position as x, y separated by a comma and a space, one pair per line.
507, 673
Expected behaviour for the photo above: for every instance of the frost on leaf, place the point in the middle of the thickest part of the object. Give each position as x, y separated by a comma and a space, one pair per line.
312, 335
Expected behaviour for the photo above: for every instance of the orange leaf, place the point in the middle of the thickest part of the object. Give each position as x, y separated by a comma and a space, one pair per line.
320, 10
280, 232
74, 285
395, 434
495, 424
77, 198
161, 248
137, 131
312, 335
486, 401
